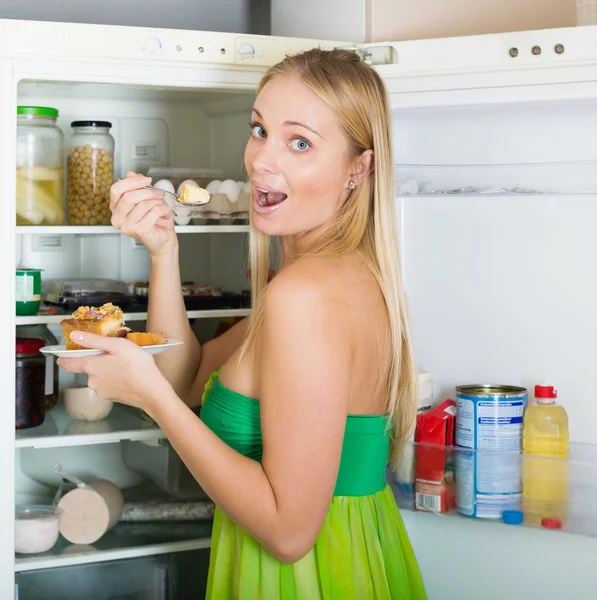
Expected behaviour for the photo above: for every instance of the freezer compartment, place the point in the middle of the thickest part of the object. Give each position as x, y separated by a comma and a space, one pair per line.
178, 576
519, 489
524, 147
162, 465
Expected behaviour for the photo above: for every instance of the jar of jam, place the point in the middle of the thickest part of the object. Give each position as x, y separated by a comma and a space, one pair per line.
42, 332
31, 383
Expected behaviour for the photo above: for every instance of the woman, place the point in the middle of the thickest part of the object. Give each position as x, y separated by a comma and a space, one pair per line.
303, 400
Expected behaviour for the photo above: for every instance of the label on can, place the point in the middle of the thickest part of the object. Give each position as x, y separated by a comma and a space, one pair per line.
25, 289
489, 424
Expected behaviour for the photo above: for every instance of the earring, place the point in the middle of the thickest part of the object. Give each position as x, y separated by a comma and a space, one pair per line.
352, 184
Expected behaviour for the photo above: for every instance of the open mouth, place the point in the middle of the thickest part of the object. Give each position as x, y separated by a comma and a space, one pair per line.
269, 198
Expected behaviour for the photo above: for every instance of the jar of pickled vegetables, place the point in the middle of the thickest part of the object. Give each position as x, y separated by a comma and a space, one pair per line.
89, 173
40, 176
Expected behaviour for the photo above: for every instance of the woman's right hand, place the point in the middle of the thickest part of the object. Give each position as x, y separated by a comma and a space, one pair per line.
143, 214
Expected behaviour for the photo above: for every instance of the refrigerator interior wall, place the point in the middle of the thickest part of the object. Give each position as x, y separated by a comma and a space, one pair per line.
179, 128
501, 289
500, 283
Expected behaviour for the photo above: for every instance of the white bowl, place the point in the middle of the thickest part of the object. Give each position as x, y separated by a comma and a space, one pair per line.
85, 405
36, 528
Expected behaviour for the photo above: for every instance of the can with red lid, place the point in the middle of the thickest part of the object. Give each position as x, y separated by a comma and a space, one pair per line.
30, 383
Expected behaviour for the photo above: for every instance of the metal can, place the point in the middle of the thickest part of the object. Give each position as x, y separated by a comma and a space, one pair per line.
489, 421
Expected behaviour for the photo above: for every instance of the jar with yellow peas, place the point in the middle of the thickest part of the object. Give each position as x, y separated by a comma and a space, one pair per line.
89, 173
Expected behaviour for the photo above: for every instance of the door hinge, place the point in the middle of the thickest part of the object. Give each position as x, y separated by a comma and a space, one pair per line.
375, 54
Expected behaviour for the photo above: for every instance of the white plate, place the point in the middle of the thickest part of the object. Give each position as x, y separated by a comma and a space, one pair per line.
62, 352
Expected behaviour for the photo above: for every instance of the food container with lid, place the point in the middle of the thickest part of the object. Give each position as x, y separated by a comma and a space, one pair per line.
36, 528
72, 293
27, 291
89, 173
34, 380
40, 174
41, 332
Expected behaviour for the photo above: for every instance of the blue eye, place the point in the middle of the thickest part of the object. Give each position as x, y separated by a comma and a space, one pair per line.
300, 144
257, 131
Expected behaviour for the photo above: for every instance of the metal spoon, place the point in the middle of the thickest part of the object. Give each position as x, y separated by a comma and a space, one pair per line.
177, 198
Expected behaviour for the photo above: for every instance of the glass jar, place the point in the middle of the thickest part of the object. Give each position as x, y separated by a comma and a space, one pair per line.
40, 176
30, 383
41, 332
89, 173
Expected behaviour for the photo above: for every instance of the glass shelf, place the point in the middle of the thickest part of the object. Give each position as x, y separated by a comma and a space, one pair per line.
108, 229
59, 430
539, 492
125, 540
133, 315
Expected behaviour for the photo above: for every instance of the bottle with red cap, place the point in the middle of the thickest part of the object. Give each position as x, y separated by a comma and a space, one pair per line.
545, 468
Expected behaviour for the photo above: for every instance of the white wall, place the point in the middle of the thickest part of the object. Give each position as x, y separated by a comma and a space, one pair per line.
326, 20
239, 16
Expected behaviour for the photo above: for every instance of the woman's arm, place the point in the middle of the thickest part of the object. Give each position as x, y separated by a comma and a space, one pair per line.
167, 314
189, 366
305, 376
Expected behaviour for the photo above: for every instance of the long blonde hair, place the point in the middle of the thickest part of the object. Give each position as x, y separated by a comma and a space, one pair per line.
366, 222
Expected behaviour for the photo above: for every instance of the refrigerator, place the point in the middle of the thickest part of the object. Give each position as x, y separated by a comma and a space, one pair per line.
496, 168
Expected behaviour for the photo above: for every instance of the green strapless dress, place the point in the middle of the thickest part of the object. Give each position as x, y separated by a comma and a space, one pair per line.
362, 552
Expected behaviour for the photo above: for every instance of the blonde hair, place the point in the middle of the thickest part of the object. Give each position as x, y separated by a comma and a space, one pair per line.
366, 223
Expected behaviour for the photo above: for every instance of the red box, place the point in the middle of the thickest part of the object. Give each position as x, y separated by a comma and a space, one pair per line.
434, 470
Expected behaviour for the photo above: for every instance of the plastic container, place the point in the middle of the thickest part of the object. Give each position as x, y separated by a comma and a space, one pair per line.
41, 332
69, 294
34, 380
545, 435
164, 467
27, 291
90, 173
84, 404
40, 174
36, 528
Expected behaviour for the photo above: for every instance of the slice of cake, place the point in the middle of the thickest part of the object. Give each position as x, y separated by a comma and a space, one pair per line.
106, 320
146, 339
193, 195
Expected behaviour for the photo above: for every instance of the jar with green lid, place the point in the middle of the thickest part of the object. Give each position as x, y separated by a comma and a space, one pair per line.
40, 173
89, 173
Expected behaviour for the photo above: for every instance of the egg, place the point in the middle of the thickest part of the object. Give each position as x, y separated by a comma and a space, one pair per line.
213, 187
189, 182
240, 185
247, 188
166, 186
229, 188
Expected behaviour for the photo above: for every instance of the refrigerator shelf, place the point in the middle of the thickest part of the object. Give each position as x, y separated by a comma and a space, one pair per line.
138, 316
105, 229
126, 540
59, 430
508, 487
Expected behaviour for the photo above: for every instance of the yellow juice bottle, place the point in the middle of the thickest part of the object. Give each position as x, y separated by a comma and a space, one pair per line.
545, 462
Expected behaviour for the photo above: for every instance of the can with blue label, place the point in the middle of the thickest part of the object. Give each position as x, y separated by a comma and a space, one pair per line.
489, 420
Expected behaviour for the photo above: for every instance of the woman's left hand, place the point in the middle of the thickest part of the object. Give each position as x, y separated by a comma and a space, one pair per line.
126, 373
